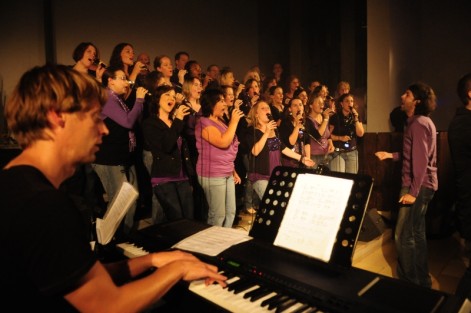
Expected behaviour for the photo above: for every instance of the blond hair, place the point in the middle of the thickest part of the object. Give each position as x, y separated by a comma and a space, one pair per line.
42, 89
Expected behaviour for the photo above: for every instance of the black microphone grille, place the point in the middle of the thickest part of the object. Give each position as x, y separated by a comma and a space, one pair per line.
270, 117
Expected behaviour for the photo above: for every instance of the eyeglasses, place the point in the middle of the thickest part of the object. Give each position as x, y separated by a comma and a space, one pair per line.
121, 78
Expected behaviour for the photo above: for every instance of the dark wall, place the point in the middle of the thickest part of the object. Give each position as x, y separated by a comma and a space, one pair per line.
316, 40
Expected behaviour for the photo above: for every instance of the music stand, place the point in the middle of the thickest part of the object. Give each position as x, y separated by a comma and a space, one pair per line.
275, 201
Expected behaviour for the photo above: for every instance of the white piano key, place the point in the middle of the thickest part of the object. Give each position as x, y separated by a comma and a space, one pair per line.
294, 307
130, 250
227, 299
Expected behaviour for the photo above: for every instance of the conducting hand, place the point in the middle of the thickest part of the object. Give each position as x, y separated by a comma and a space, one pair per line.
383, 155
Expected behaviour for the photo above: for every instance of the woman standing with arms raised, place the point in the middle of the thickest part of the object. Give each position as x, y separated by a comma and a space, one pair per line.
115, 161
217, 145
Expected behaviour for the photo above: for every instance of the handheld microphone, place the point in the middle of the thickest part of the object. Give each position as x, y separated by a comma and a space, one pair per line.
98, 62
300, 117
270, 118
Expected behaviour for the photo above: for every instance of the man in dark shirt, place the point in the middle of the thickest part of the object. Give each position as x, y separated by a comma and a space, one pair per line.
459, 141
179, 71
47, 260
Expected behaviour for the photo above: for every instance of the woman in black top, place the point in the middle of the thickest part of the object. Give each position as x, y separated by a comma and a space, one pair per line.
345, 128
171, 164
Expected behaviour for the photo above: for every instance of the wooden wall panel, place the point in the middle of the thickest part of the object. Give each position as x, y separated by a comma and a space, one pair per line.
387, 179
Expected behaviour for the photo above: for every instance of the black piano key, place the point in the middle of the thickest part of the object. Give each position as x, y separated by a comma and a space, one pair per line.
229, 275
236, 284
273, 304
254, 292
243, 286
259, 293
285, 305
249, 294
271, 299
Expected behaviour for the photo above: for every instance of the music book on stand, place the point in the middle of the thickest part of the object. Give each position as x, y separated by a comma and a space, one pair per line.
117, 209
312, 229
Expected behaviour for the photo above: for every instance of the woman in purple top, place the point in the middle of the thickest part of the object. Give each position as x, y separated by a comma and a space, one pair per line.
317, 129
115, 161
217, 146
419, 183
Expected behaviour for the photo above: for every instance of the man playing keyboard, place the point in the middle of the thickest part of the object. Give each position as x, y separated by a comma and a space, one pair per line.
54, 114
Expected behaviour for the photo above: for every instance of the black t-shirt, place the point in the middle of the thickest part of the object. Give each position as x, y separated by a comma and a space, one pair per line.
45, 247
344, 126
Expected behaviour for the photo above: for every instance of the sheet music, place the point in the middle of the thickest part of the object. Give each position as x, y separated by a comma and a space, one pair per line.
313, 215
213, 240
122, 201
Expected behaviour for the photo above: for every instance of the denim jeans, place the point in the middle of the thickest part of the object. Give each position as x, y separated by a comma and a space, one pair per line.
250, 198
111, 177
410, 239
158, 215
176, 199
345, 162
220, 194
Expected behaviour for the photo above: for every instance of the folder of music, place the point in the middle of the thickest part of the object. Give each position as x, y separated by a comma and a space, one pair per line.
117, 209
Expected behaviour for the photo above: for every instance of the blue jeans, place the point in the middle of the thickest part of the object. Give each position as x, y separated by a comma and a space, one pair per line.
344, 162
220, 194
410, 239
112, 176
158, 215
176, 199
